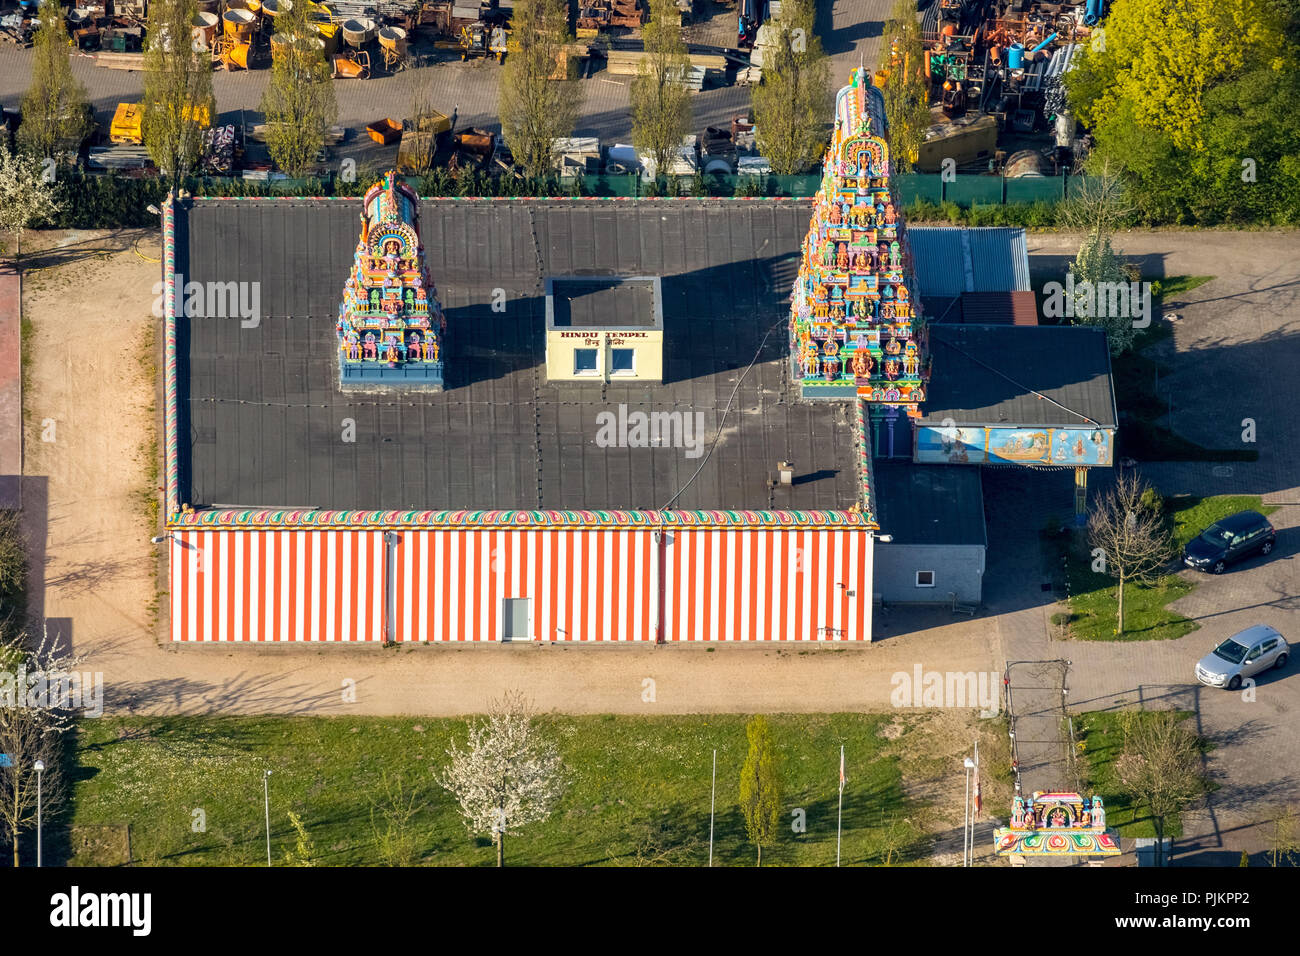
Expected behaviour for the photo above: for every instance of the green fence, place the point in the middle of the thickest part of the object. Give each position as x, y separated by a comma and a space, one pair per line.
963, 190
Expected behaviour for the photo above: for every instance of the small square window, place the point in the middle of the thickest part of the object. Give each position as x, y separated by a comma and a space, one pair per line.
925, 579
584, 361
622, 361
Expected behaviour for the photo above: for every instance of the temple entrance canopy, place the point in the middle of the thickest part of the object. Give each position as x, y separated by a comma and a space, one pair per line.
1055, 825
390, 327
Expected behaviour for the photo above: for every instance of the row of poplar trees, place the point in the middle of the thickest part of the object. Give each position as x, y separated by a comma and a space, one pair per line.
299, 101
541, 99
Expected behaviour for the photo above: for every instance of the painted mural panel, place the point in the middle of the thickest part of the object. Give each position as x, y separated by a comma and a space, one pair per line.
950, 445
1083, 446
974, 445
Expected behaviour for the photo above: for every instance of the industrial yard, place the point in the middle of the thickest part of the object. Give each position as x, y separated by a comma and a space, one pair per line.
431, 69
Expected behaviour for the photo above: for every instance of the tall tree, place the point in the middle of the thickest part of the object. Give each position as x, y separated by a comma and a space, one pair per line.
299, 101
661, 101
1160, 764
792, 105
907, 88
26, 195
33, 722
1283, 836
178, 100
760, 786
1193, 103
1131, 535
537, 106
56, 116
509, 774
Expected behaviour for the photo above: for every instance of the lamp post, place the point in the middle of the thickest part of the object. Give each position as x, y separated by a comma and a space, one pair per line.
40, 768
713, 796
266, 796
965, 856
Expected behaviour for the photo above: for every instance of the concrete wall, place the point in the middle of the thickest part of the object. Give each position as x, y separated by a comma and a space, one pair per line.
957, 569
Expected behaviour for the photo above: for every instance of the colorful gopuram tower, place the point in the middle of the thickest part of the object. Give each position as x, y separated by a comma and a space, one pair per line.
390, 325
856, 329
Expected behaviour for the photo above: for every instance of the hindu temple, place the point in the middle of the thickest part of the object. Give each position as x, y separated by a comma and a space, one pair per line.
856, 329
390, 326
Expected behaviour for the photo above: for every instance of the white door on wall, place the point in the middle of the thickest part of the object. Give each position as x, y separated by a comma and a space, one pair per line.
516, 619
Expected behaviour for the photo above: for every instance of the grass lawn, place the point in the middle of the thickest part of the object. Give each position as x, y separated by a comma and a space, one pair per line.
1101, 741
636, 783
1163, 290
1093, 596
1193, 515
1093, 601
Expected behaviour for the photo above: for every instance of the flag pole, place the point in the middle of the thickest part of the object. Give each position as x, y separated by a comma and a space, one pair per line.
975, 803
839, 819
712, 800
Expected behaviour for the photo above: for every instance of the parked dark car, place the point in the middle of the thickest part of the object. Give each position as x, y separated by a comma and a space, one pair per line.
1228, 541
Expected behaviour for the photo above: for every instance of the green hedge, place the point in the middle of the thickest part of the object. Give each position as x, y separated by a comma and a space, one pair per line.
111, 201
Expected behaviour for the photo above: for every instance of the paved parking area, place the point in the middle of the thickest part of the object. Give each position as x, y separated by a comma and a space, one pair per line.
1237, 341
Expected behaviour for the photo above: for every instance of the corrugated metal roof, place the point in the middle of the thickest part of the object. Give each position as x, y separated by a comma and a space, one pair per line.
929, 504
983, 308
951, 260
999, 308
1002, 375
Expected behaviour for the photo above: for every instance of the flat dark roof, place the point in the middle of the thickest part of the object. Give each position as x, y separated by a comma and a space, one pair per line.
929, 504
602, 303
265, 422
1003, 375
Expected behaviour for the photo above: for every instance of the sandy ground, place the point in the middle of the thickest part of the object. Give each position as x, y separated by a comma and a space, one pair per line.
88, 428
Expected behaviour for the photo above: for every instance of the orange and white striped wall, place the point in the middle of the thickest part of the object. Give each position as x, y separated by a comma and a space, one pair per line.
544, 584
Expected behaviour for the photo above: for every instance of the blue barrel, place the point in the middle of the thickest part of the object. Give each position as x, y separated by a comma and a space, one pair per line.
1015, 56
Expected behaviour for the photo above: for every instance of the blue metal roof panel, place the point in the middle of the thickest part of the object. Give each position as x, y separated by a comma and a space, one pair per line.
951, 260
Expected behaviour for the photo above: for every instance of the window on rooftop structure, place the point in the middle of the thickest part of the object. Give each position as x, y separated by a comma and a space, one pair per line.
584, 361
925, 579
622, 361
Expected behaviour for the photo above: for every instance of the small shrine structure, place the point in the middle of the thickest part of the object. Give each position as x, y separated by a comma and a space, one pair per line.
1054, 825
390, 328
856, 329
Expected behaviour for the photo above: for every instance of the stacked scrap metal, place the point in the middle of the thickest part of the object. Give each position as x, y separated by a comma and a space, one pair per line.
626, 13
218, 151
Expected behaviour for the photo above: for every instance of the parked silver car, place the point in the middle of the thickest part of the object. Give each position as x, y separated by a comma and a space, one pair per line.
1243, 655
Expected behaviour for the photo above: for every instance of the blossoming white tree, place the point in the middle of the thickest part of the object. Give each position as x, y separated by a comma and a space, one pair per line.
508, 775
26, 193
33, 721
